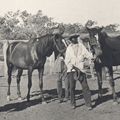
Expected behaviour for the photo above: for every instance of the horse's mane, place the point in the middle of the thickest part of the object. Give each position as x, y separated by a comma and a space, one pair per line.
104, 34
42, 38
118, 37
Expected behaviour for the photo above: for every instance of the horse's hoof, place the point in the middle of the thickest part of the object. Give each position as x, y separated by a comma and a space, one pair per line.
44, 103
66, 99
99, 96
8, 98
60, 101
73, 107
20, 99
115, 103
89, 108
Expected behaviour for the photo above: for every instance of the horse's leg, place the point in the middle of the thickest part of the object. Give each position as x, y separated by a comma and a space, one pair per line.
18, 83
30, 70
98, 69
104, 73
99, 78
41, 84
112, 84
10, 67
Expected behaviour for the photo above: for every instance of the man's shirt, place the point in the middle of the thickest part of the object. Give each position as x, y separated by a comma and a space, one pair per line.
75, 55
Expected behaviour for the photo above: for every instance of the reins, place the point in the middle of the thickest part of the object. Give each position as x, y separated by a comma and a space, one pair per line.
77, 73
94, 44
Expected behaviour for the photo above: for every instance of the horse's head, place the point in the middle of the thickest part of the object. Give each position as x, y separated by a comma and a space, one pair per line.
94, 33
59, 45
94, 40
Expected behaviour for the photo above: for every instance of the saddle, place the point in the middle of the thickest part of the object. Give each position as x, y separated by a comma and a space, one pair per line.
113, 43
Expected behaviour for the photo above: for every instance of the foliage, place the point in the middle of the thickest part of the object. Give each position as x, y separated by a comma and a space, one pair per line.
112, 28
23, 25
90, 23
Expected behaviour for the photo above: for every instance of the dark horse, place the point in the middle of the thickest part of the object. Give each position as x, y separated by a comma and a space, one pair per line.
32, 55
108, 55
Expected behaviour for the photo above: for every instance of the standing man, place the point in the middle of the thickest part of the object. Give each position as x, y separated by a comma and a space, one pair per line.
75, 54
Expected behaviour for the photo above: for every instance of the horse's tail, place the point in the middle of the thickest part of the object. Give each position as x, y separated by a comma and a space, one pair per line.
5, 46
7, 54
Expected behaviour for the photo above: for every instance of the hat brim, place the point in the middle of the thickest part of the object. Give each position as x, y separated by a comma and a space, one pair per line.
74, 40
73, 36
70, 36
65, 35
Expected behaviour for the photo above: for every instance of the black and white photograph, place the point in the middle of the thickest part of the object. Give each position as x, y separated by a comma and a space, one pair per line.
59, 59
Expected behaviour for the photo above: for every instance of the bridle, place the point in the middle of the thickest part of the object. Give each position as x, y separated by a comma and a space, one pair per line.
95, 45
55, 43
94, 42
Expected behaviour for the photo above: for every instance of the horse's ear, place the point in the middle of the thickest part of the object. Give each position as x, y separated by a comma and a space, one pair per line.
100, 29
88, 29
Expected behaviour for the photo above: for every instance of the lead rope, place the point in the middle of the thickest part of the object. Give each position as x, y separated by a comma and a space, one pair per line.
77, 73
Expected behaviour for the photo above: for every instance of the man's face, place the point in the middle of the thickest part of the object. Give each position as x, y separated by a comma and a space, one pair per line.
74, 39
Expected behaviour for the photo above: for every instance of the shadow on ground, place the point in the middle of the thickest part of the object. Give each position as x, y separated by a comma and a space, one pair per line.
49, 95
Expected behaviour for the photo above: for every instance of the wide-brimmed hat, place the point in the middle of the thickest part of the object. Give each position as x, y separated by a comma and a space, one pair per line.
75, 35
70, 33
56, 30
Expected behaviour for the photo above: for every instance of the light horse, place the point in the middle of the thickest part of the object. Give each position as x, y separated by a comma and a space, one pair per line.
108, 55
32, 55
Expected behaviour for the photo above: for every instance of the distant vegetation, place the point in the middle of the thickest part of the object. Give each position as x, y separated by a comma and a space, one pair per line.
23, 25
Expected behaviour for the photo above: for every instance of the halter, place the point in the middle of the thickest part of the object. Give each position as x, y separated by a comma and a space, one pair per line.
94, 42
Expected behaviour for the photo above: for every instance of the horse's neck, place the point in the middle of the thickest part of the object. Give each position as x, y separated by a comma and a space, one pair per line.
48, 48
102, 35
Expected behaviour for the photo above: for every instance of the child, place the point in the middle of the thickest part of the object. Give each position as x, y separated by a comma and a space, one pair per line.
60, 72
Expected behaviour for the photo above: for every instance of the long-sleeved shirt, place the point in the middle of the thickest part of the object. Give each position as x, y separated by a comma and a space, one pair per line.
75, 55
59, 64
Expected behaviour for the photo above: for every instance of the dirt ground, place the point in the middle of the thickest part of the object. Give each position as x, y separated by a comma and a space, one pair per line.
21, 110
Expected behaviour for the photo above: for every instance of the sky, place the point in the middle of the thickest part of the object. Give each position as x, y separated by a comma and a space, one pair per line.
104, 12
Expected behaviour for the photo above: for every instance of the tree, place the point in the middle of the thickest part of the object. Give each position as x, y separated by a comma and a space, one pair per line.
22, 25
111, 28
90, 23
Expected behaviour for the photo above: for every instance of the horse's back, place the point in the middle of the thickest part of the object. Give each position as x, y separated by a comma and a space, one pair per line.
113, 42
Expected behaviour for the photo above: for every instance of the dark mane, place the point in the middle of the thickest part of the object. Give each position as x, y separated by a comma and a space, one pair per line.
45, 37
104, 34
